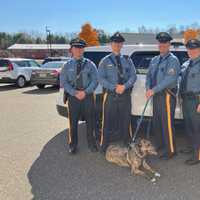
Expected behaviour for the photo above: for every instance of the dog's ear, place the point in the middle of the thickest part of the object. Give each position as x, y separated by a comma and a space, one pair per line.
138, 141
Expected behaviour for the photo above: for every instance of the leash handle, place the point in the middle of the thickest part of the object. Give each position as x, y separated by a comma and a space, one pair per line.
140, 120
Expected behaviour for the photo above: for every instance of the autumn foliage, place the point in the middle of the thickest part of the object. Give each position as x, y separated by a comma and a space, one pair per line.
191, 34
89, 35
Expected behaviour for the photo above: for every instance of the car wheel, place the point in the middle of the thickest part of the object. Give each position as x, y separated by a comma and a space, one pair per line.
40, 86
21, 81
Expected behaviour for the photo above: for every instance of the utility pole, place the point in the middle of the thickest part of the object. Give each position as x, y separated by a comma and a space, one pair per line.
49, 41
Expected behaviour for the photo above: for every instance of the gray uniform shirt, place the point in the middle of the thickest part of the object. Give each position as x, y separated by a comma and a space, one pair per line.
68, 76
167, 74
192, 77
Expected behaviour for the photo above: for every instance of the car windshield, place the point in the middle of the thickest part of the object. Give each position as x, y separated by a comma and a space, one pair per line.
26, 63
53, 65
21, 63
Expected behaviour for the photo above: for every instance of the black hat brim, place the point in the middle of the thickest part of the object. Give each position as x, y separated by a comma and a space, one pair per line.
164, 40
192, 47
80, 46
117, 40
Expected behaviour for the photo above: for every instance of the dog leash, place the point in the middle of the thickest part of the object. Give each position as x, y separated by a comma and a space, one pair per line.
140, 121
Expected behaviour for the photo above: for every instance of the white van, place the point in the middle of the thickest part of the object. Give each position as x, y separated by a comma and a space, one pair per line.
141, 56
17, 70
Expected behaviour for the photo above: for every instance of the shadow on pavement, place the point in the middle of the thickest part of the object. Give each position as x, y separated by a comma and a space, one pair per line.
8, 87
55, 175
47, 90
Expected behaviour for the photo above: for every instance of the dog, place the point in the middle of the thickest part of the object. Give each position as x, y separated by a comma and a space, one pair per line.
134, 157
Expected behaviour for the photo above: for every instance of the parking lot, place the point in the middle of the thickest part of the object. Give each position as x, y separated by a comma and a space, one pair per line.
34, 162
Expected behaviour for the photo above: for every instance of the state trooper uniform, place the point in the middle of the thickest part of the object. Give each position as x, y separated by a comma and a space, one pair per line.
116, 69
190, 90
80, 75
162, 79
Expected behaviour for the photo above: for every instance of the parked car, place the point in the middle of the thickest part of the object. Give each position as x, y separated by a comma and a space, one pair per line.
17, 70
52, 59
48, 74
141, 56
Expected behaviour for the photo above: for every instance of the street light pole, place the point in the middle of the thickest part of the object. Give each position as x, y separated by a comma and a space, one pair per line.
49, 42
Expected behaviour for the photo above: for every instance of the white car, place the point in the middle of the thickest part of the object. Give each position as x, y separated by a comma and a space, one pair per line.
141, 56
17, 70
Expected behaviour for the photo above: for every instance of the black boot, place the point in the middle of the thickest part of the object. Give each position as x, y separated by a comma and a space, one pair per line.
93, 148
103, 149
186, 150
72, 149
192, 161
166, 156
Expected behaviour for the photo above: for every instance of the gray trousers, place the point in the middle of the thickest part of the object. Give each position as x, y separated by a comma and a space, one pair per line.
192, 122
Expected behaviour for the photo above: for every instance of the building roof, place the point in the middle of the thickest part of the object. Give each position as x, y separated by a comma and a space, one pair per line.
39, 46
17, 59
145, 38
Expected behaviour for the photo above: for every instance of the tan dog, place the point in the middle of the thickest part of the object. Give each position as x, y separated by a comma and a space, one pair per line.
133, 157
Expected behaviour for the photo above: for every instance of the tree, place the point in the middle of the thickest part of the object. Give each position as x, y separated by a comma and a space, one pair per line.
190, 34
89, 35
103, 37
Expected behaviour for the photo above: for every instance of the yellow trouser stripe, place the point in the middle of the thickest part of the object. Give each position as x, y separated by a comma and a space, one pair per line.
130, 131
69, 134
94, 96
169, 122
199, 153
104, 100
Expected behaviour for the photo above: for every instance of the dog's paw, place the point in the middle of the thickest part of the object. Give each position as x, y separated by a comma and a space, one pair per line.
157, 175
153, 180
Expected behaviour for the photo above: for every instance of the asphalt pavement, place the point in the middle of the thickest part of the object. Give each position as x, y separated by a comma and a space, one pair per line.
35, 164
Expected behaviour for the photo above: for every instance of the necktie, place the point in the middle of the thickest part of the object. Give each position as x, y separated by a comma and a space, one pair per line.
154, 78
79, 79
120, 70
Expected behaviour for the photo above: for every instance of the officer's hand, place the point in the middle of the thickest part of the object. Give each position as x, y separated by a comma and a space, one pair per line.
77, 95
149, 93
120, 89
80, 95
198, 108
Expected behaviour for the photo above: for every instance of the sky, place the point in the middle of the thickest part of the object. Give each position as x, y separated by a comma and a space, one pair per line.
63, 16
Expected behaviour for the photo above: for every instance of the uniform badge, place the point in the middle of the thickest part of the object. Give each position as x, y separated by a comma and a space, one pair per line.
171, 71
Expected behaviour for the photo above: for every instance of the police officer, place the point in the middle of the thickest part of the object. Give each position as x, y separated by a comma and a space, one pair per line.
161, 83
117, 75
190, 90
79, 79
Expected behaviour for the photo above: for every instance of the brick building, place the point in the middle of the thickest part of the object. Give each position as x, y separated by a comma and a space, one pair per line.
39, 51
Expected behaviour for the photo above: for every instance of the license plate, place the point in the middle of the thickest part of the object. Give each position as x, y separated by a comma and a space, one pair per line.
43, 75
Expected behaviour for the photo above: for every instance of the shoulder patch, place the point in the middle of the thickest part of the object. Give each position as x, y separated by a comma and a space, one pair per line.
171, 71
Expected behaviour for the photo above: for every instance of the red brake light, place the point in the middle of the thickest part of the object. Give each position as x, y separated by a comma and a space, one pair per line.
55, 73
34, 72
10, 66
